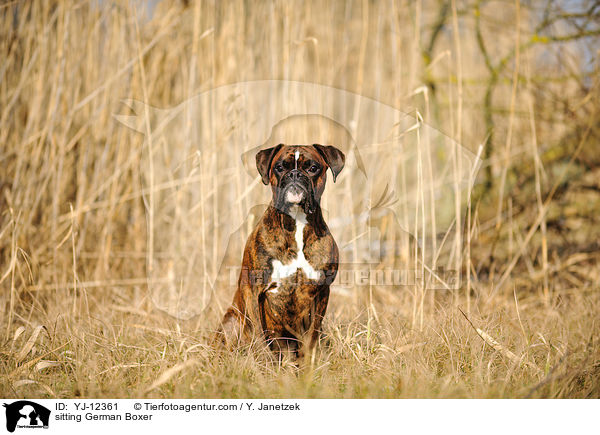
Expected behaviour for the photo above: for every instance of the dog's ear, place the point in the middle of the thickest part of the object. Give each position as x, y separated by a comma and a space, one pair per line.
264, 159
333, 157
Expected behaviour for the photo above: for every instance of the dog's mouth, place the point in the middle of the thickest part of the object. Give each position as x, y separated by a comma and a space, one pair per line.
295, 194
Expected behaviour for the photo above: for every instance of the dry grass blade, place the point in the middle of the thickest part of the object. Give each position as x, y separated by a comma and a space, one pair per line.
124, 366
24, 382
18, 333
498, 347
409, 347
169, 373
30, 343
34, 361
44, 364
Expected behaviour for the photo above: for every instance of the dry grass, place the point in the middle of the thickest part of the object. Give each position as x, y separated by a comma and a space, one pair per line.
77, 319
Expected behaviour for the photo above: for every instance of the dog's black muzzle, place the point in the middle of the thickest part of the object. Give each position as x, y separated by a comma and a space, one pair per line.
295, 179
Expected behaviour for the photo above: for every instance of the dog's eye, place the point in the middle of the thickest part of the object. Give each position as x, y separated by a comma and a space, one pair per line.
314, 169
278, 167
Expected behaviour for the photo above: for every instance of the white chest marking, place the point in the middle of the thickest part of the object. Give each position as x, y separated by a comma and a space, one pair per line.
281, 270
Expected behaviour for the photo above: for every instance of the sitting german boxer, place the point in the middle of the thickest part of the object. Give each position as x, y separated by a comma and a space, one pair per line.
290, 258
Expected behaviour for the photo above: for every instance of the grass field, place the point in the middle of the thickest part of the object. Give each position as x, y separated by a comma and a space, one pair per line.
521, 78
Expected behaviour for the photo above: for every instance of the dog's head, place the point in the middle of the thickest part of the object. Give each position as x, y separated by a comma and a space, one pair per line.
297, 173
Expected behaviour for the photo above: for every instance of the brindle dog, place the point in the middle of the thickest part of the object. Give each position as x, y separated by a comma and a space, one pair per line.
290, 258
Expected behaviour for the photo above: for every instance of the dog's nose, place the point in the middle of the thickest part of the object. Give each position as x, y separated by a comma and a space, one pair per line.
294, 174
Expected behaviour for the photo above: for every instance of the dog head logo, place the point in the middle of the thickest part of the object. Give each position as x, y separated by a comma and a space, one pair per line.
26, 414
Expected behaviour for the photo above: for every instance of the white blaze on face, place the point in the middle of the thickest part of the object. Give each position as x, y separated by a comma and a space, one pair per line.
281, 270
295, 195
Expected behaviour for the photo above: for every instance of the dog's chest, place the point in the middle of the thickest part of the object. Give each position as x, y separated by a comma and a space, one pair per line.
299, 268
